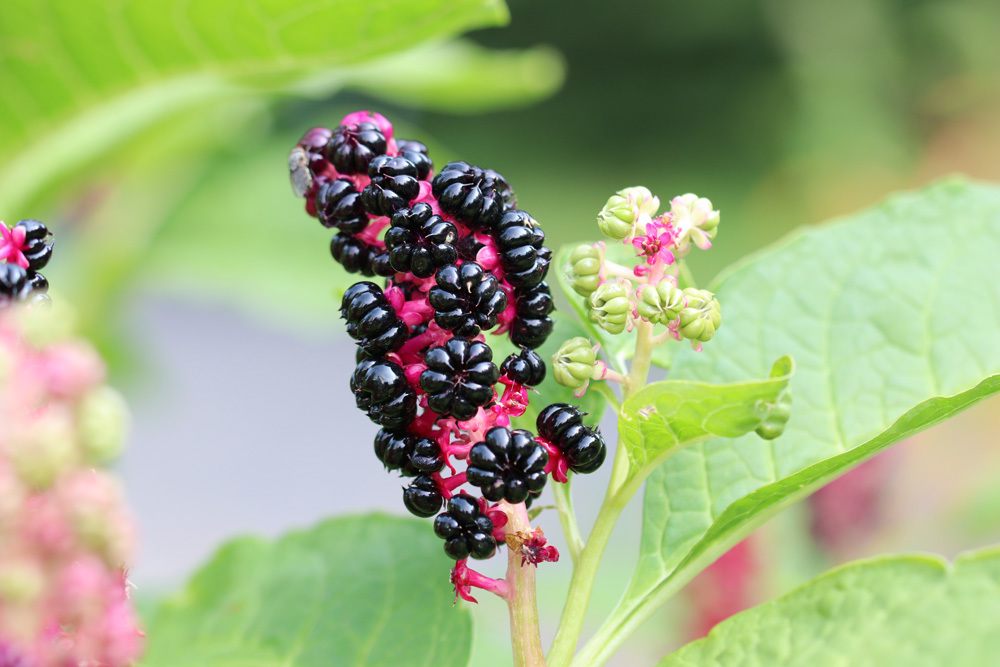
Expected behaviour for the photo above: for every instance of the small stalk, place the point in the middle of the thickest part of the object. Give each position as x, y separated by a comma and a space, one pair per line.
525, 636
567, 517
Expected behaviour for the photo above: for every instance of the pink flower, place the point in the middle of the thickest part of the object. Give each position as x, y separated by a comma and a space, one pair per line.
12, 245
465, 579
536, 550
657, 244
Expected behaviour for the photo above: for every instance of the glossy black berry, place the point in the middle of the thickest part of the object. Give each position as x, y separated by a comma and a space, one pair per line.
524, 367
507, 465
411, 455
371, 320
422, 497
520, 242
563, 426
338, 205
352, 147
466, 531
416, 152
38, 244
532, 325
459, 378
477, 197
393, 185
14, 283
466, 299
351, 253
419, 241
381, 390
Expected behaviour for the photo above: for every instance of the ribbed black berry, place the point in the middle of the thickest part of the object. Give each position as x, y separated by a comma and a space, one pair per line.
338, 205
416, 152
532, 325
352, 147
393, 185
459, 378
381, 390
466, 299
14, 283
371, 320
419, 241
477, 197
507, 465
351, 253
563, 426
521, 244
411, 455
422, 497
38, 244
466, 531
524, 367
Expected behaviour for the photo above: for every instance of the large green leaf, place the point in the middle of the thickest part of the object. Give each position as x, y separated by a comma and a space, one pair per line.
910, 611
892, 317
663, 416
79, 77
370, 591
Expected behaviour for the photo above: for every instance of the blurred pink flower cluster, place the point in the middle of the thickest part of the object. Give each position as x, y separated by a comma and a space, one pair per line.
65, 536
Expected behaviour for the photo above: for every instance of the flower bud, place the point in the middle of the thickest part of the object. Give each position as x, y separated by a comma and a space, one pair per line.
573, 363
660, 303
43, 450
21, 580
624, 210
585, 269
701, 315
775, 416
695, 220
611, 306
102, 420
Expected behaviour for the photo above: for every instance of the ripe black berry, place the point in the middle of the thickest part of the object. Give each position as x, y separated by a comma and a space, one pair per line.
520, 242
393, 185
352, 147
371, 320
419, 241
459, 378
351, 253
416, 152
466, 299
411, 455
38, 244
507, 465
525, 367
338, 204
532, 325
583, 447
381, 390
475, 196
466, 531
14, 283
422, 497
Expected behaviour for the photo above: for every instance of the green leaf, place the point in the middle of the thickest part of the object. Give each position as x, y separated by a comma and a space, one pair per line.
80, 77
369, 591
664, 416
892, 318
911, 611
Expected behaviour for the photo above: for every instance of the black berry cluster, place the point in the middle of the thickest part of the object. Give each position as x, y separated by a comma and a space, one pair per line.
25, 249
459, 262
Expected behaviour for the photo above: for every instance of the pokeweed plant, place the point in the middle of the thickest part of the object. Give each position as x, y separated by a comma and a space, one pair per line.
483, 394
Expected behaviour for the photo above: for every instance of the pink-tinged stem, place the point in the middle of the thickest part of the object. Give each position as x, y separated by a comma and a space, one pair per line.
526, 640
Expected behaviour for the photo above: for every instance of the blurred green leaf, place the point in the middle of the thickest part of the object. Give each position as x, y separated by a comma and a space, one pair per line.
367, 590
891, 316
664, 416
80, 77
908, 611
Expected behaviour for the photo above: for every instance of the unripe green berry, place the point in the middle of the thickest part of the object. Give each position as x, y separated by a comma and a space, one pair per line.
573, 363
45, 451
701, 316
611, 306
775, 417
102, 419
624, 210
585, 269
660, 303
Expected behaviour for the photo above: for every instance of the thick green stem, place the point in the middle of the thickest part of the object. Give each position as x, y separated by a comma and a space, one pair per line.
525, 637
618, 494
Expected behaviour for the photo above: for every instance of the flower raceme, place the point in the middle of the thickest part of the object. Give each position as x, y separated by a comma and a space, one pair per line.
459, 260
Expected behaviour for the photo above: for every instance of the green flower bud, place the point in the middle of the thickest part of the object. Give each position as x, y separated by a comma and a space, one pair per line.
611, 306
102, 420
573, 363
585, 269
701, 316
775, 416
660, 303
44, 451
624, 210
21, 581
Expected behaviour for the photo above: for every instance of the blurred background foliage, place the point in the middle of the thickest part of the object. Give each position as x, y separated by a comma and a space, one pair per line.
152, 137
